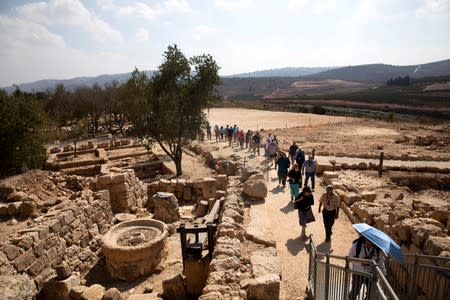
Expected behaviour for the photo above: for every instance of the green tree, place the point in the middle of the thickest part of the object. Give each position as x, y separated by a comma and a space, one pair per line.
22, 122
172, 102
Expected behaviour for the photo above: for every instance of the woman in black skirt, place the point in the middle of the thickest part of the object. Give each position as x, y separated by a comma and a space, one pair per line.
303, 204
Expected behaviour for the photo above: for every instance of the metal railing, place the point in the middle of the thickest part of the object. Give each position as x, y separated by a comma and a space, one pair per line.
419, 277
330, 277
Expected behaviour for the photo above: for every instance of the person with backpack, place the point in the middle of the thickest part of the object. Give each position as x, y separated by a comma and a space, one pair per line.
272, 150
364, 248
300, 157
256, 142
331, 204
303, 204
309, 170
248, 140
283, 168
292, 150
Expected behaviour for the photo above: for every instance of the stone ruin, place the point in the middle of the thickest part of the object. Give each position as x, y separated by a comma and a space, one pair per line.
418, 225
134, 248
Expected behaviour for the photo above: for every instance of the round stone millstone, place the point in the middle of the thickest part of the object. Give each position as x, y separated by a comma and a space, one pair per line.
134, 248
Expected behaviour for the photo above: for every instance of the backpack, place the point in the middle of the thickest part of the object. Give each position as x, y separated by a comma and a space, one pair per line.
359, 244
272, 148
300, 156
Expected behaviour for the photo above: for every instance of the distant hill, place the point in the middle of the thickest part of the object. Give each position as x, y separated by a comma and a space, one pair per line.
382, 72
283, 72
263, 83
70, 84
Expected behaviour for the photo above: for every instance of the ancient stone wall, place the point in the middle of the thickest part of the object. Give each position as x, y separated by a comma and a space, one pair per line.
227, 264
189, 191
126, 191
69, 231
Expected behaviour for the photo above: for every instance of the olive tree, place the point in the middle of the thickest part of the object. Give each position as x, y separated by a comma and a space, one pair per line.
169, 108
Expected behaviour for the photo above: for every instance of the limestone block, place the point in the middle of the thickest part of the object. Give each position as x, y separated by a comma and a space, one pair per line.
24, 260
166, 207
68, 148
94, 292
17, 287
209, 187
4, 209
144, 297
63, 271
202, 208
257, 176
220, 194
437, 244
265, 287
363, 166
13, 208
328, 175
369, 196
11, 251
255, 189
164, 185
350, 198
112, 294
248, 171
225, 263
221, 181
55, 150
187, 193
60, 289
174, 288
396, 216
264, 262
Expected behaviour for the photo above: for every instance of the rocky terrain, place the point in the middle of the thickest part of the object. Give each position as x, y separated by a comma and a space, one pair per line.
52, 222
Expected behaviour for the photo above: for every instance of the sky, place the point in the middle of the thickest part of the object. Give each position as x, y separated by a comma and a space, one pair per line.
62, 39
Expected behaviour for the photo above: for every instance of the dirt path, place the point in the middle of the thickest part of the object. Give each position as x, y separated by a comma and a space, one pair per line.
276, 219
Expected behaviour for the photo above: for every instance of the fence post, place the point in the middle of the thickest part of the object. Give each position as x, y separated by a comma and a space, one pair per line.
372, 290
327, 276
347, 277
413, 283
380, 166
182, 230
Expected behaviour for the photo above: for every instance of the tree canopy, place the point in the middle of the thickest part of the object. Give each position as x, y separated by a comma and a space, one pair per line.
169, 108
22, 121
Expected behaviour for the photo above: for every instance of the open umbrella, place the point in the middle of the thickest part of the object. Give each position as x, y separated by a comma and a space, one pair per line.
381, 239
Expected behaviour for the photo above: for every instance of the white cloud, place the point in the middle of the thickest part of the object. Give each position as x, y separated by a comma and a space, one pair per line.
142, 35
204, 31
143, 10
434, 7
30, 52
324, 5
69, 12
297, 4
232, 4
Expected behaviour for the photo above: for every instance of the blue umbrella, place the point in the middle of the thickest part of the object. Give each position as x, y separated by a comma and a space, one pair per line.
381, 239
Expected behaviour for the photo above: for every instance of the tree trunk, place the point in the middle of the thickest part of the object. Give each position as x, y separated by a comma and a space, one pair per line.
177, 161
75, 148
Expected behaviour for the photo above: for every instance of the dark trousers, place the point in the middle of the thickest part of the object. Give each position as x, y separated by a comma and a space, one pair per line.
282, 178
357, 282
328, 221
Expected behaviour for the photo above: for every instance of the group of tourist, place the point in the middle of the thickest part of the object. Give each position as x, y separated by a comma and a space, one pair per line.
295, 169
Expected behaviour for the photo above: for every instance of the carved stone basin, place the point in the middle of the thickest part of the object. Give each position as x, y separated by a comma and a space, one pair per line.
134, 248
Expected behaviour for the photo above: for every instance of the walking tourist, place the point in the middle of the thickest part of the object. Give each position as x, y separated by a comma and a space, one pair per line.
216, 132
294, 179
248, 139
283, 168
240, 137
292, 151
272, 150
303, 204
330, 202
363, 248
230, 135
256, 143
208, 131
309, 170
300, 157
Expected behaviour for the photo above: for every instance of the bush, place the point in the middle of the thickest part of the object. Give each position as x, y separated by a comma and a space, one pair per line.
318, 110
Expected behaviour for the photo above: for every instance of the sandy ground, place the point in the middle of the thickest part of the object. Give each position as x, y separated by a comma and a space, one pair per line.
276, 218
